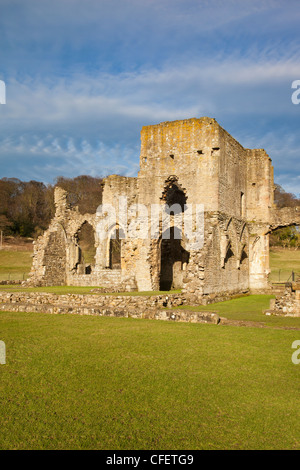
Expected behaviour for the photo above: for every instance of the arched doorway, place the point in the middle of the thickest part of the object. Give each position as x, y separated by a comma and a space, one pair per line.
284, 244
173, 255
174, 259
86, 243
115, 248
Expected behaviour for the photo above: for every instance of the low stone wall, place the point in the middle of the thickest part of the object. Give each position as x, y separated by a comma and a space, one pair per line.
151, 307
93, 300
207, 299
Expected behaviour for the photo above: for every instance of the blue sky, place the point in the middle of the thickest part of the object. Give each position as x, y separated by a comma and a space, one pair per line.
83, 77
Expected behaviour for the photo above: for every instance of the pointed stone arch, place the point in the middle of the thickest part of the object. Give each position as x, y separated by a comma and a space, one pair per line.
242, 247
174, 195
228, 241
116, 234
174, 259
86, 244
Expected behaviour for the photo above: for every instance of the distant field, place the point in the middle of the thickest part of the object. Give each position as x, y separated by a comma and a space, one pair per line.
15, 265
282, 263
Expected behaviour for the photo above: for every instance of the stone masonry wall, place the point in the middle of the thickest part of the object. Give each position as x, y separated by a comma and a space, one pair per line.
57, 259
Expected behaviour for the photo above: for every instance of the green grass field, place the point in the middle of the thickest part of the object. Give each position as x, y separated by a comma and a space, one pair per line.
14, 265
282, 263
249, 309
81, 382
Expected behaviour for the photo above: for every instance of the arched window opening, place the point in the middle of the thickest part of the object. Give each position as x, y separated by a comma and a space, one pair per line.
242, 202
86, 242
115, 248
175, 197
284, 245
174, 259
285, 237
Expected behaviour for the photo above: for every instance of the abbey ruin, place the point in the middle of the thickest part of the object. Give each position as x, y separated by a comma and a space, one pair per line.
191, 162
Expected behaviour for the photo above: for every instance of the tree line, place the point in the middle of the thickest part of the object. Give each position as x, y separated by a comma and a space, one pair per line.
286, 237
26, 208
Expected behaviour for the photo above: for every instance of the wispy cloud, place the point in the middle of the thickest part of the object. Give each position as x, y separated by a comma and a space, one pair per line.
85, 111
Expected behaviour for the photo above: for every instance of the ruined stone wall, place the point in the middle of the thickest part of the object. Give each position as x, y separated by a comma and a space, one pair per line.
232, 176
57, 256
259, 266
259, 257
284, 217
260, 186
57, 253
222, 266
210, 167
106, 278
55, 259
116, 187
288, 303
227, 257
183, 154
193, 162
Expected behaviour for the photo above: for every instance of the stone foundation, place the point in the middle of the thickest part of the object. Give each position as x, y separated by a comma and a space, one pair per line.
147, 307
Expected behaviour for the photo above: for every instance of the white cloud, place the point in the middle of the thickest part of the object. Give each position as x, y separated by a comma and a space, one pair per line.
83, 102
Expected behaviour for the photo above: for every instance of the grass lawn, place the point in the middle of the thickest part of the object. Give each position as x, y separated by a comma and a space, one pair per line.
82, 382
282, 263
14, 265
250, 309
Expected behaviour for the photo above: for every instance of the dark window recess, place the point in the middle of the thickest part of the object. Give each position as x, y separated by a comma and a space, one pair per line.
214, 151
172, 156
175, 196
200, 152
